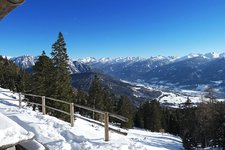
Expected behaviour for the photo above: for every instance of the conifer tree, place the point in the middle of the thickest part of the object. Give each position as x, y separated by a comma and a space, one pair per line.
108, 101
156, 115
43, 82
23, 81
43, 76
95, 96
126, 109
62, 76
81, 99
63, 85
150, 116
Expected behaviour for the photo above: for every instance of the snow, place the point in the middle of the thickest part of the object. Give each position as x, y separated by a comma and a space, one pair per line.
56, 134
11, 132
174, 98
212, 55
72, 67
177, 99
104, 60
25, 61
87, 60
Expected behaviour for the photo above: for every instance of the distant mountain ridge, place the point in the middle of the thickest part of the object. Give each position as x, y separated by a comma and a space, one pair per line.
211, 55
190, 71
27, 62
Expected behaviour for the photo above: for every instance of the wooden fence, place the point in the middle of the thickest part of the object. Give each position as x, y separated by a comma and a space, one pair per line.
71, 113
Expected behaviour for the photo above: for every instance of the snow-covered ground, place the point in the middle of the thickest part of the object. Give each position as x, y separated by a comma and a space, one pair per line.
59, 135
11, 132
172, 98
176, 100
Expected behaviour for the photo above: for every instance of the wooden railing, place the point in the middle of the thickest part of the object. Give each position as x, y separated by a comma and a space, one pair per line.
71, 113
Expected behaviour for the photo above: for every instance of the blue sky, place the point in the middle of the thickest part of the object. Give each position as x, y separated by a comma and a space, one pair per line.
115, 28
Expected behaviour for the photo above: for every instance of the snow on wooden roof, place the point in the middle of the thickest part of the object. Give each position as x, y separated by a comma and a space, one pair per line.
11, 133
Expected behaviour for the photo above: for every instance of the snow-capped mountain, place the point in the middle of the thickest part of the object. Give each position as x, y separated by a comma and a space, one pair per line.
210, 56
90, 60
189, 71
126, 68
77, 67
28, 62
87, 60
25, 61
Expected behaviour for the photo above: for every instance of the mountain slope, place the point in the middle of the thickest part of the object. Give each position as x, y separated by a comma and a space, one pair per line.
136, 94
183, 72
127, 68
189, 72
59, 135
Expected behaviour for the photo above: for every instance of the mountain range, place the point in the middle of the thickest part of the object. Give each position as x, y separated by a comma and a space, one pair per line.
192, 72
27, 62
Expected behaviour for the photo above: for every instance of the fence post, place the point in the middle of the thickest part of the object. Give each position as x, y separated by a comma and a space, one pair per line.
43, 105
20, 101
72, 114
106, 120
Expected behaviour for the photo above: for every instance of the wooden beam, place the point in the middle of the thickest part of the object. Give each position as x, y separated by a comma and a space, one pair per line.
7, 6
106, 121
43, 105
72, 114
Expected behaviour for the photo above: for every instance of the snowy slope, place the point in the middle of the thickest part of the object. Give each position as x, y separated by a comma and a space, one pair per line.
58, 135
11, 132
169, 98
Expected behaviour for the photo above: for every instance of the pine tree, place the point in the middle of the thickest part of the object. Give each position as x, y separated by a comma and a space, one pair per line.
126, 109
64, 90
81, 99
108, 101
43, 82
95, 96
43, 76
150, 116
23, 81
60, 61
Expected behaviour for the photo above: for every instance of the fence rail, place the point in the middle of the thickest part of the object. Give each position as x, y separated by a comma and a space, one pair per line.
34, 103
71, 113
9, 99
57, 100
32, 95
90, 109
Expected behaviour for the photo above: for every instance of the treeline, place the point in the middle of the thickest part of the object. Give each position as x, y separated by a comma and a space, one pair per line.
100, 98
202, 126
12, 77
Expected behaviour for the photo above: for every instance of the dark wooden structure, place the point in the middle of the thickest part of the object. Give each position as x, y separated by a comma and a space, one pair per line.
7, 6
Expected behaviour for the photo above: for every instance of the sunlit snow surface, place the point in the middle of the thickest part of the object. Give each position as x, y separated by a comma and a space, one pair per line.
11, 132
58, 135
